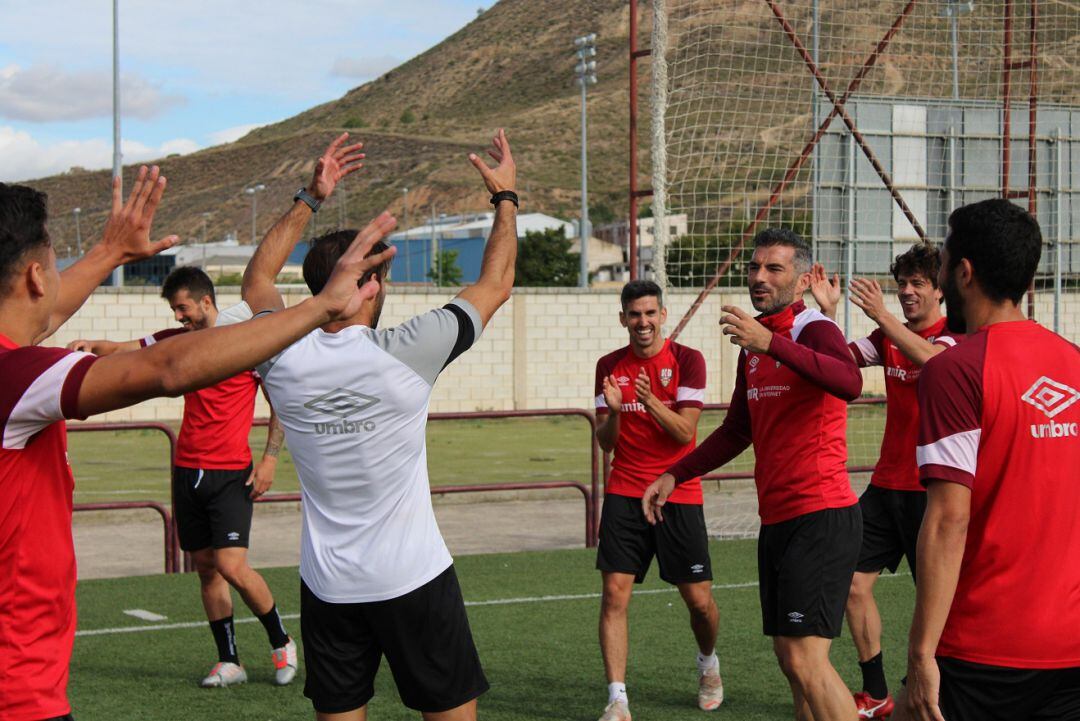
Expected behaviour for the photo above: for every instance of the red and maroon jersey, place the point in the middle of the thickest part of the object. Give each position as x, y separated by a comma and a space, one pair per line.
217, 420
896, 468
791, 402
644, 450
1000, 414
37, 554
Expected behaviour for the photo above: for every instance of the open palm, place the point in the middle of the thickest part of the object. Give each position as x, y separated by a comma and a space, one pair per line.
338, 161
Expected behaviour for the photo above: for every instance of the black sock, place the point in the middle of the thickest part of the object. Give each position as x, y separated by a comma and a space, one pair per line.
225, 638
873, 677
275, 629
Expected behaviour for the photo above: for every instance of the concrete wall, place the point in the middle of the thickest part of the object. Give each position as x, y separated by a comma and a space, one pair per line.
539, 351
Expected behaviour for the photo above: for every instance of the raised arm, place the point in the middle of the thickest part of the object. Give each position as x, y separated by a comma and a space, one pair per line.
258, 289
126, 238
867, 295
497, 268
190, 361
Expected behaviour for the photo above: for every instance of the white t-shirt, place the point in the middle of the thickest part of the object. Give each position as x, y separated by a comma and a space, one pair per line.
354, 406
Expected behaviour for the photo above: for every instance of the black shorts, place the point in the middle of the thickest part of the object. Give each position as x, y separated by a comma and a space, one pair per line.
213, 508
424, 634
628, 543
805, 566
975, 692
891, 521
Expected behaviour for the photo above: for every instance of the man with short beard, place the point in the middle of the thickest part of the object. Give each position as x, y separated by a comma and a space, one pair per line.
996, 632
894, 502
795, 375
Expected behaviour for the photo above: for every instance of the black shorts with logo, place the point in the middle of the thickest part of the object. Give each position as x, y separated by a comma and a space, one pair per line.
424, 634
213, 508
628, 543
891, 522
976, 692
805, 566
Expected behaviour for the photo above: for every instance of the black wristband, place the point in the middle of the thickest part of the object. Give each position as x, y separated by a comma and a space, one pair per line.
308, 199
505, 195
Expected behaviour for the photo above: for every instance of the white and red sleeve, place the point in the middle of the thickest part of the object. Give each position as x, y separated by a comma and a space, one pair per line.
160, 335
691, 390
950, 414
869, 351
41, 387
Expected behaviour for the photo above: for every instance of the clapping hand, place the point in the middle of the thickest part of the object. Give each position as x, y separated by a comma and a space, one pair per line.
612, 394
745, 331
826, 291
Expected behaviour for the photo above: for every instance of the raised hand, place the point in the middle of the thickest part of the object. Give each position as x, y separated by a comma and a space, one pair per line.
868, 296
334, 164
504, 175
745, 331
612, 394
826, 291
643, 388
656, 495
127, 232
343, 295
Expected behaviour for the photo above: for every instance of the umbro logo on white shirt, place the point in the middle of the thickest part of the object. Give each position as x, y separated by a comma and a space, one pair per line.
341, 402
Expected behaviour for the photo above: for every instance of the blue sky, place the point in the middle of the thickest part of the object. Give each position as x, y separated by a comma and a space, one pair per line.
194, 73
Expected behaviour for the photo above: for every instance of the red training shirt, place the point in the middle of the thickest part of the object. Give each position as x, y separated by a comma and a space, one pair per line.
644, 450
217, 420
37, 554
791, 403
896, 468
1000, 414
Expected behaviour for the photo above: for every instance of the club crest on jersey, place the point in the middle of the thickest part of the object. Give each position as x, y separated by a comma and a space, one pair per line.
665, 376
754, 363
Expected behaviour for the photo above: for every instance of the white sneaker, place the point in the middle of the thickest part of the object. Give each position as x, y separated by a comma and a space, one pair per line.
284, 663
616, 711
224, 673
710, 690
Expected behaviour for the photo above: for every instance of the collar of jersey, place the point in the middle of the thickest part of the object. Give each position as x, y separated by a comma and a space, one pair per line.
784, 320
6, 342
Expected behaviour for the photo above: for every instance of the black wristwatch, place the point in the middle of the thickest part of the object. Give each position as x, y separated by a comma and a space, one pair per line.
505, 195
309, 200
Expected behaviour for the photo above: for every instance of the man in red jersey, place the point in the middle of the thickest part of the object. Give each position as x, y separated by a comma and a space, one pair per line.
649, 396
996, 630
43, 386
894, 502
214, 484
795, 375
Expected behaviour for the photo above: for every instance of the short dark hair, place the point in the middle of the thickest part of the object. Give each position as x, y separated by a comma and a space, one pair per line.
191, 279
921, 259
804, 257
323, 254
1001, 240
23, 212
639, 289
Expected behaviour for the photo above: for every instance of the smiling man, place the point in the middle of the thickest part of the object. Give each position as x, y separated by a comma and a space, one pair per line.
794, 377
895, 501
649, 396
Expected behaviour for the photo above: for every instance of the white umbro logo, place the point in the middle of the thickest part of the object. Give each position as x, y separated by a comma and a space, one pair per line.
795, 617
697, 568
1050, 397
233, 536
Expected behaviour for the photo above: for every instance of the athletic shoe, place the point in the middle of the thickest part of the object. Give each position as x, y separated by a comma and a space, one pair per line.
284, 663
224, 673
616, 711
869, 707
710, 690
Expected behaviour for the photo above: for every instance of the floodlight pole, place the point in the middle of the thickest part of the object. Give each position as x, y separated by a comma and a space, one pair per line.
585, 72
405, 228
78, 231
254, 191
117, 172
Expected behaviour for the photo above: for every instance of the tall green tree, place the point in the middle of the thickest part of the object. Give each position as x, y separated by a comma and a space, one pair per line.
544, 260
446, 271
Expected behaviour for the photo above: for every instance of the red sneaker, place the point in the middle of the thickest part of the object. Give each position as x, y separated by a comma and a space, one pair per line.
874, 707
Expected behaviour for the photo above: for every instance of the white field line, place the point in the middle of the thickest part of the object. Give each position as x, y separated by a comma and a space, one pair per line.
469, 604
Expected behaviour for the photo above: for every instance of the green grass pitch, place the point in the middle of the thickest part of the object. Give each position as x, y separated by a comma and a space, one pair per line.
541, 654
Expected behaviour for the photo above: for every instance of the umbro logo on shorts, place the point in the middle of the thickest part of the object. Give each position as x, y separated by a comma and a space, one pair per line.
795, 617
697, 568
341, 402
233, 536
1050, 397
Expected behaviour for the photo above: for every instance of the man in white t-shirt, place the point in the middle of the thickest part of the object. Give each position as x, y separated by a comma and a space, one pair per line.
376, 576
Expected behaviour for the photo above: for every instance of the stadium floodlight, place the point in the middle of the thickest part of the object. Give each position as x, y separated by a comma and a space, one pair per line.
585, 74
254, 191
78, 232
405, 227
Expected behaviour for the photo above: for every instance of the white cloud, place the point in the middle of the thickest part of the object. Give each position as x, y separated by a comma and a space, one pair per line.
363, 68
229, 135
25, 158
44, 93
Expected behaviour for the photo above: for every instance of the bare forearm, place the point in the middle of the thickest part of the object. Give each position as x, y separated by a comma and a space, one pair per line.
77, 283
275, 437
500, 255
673, 423
607, 432
941, 552
916, 348
270, 257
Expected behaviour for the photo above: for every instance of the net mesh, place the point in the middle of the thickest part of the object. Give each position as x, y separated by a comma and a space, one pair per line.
905, 121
